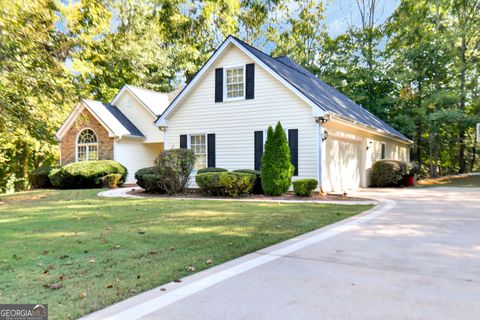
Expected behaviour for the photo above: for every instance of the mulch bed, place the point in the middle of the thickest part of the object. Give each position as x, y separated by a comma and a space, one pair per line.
194, 193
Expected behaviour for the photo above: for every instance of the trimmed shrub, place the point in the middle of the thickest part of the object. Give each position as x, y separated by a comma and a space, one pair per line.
174, 166
139, 176
304, 187
276, 168
112, 180
86, 174
205, 170
152, 183
232, 184
39, 177
257, 187
388, 173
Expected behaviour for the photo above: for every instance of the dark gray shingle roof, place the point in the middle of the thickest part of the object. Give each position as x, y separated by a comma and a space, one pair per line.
113, 118
323, 95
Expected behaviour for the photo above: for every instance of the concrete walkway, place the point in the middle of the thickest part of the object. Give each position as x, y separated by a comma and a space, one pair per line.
415, 256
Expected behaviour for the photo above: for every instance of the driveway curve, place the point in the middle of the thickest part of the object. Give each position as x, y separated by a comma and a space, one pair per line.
416, 256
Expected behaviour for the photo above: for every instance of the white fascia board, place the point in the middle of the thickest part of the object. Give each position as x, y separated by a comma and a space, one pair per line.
364, 127
69, 121
192, 83
277, 76
160, 121
126, 88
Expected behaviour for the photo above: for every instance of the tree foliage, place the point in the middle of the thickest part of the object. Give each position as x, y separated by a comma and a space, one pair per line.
276, 168
419, 70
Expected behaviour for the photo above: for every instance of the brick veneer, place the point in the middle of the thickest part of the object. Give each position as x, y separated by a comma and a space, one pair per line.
85, 120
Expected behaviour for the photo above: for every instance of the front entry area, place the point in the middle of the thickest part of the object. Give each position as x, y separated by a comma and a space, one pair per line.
342, 164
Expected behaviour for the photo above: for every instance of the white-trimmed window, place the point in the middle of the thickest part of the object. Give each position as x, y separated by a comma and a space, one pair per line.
235, 83
87, 146
383, 151
198, 144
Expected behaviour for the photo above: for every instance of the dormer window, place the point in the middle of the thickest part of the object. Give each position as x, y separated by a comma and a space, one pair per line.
235, 83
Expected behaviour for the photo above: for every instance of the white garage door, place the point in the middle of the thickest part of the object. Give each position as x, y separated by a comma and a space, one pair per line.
342, 161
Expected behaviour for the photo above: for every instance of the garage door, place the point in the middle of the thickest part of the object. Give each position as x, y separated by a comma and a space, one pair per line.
342, 161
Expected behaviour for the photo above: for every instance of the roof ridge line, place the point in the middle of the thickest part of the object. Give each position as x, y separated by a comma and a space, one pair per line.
308, 75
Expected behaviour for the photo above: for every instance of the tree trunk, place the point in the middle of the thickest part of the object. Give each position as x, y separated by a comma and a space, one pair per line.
474, 155
461, 154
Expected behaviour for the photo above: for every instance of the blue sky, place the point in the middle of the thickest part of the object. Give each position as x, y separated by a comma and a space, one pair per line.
340, 14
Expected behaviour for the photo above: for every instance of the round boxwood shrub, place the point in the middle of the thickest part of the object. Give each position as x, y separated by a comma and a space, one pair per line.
39, 177
232, 184
205, 170
388, 173
86, 174
139, 175
257, 188
152, 183
304, 187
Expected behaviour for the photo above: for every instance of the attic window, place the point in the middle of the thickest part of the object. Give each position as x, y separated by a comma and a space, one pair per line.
235, 83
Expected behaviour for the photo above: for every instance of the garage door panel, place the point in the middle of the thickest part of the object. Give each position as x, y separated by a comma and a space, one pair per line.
342, 164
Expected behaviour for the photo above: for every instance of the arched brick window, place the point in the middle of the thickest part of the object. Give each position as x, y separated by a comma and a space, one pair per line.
87, 146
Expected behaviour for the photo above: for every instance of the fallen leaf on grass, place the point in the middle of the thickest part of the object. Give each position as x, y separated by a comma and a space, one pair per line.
62, 277
109, 286
56, 286
190, 269
91, 261
209, 261
83, 295
133, 290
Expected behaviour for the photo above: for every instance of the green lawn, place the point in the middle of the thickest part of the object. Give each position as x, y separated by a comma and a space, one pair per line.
105, 250
452, 181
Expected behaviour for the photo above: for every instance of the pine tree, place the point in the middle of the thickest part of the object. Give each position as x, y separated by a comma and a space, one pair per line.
276, 168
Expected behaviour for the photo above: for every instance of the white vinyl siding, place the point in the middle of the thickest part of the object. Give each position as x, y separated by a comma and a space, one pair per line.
135, 155
370, 149
234, 122
140, 117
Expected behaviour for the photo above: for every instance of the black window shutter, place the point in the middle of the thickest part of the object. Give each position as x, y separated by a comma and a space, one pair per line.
293, 143
183, 141
219, 85
250, 81
211, 150
258, 148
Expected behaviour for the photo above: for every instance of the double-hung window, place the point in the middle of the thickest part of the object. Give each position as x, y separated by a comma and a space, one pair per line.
235, 83
198, 145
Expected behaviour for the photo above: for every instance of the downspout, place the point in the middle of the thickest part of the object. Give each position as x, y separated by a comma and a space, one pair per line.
321, 136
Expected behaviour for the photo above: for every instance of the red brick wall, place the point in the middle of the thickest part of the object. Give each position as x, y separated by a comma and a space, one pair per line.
85, 120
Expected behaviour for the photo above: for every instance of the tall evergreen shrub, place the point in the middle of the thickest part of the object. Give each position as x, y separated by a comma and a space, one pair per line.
276, 168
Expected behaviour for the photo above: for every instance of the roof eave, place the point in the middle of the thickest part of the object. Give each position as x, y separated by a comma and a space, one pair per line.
371, 129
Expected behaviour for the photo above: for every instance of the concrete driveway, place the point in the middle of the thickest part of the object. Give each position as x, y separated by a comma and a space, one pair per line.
416, 256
